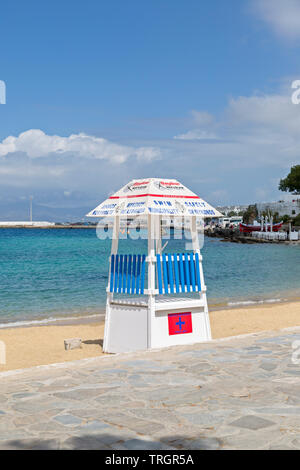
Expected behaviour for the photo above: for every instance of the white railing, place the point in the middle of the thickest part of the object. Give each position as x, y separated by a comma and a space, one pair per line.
270, 236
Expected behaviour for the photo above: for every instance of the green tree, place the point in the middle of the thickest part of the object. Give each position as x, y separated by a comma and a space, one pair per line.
296, 221
268, 213
292, 182
286, 218
250, 214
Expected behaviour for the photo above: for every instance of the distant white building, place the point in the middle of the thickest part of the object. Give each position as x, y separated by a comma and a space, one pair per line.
26, 224
236, 209
226, 222
290, 206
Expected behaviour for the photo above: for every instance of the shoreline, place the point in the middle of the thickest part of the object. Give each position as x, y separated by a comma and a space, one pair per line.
30, 346
99, 315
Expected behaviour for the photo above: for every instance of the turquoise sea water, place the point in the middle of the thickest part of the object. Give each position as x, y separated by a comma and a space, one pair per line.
61, 273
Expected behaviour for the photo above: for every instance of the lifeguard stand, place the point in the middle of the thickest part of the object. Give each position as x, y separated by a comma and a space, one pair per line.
155, 308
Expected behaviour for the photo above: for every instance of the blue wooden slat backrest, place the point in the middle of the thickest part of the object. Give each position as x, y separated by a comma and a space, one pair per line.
192, 271
124, 275
127, 274
120, 274
187, 272
198, 271
143, 273
178, 273
182, 278
159, 277
112, 271
165, 274
138, 275
133, 274
175, 273
116, 273
170, 271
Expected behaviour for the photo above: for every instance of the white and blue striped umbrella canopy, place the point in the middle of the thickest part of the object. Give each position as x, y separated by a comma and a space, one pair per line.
156, 196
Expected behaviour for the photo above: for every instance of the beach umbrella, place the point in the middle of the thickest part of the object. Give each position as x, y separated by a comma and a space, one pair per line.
154, 196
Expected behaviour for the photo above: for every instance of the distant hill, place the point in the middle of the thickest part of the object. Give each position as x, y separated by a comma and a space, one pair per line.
20, 211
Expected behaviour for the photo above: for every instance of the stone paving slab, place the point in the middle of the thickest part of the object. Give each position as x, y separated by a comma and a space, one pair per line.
238, 393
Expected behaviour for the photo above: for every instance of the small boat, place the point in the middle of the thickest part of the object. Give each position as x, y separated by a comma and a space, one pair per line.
257, 228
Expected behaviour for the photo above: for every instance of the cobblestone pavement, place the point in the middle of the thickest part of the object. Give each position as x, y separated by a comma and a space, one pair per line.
240, 393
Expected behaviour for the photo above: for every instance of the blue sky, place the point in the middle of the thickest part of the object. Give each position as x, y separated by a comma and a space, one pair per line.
198, 90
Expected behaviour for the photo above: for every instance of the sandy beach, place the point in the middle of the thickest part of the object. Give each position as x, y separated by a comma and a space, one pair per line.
40, 345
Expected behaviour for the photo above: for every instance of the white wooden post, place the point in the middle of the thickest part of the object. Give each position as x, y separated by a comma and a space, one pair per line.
202, 294
110, 295
158, 234
151, 275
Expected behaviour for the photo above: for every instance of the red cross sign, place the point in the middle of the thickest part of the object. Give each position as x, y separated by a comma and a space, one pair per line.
180, 323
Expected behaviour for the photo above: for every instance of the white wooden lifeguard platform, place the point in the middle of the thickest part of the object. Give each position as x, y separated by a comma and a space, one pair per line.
155, 308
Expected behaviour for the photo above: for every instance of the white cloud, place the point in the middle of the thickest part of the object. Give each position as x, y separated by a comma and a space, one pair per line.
200, 120
283, 16
272, 112
219, 195
255, 130
35, 143
238, 156
147, 154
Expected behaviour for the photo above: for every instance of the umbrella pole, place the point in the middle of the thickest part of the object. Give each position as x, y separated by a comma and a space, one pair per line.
202, 293
110, 295
151, 276
158, 239
159, 234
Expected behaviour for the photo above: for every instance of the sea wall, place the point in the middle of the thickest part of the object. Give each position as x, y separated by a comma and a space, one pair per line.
235, 236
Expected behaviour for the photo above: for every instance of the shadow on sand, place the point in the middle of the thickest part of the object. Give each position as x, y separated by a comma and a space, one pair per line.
99, 342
